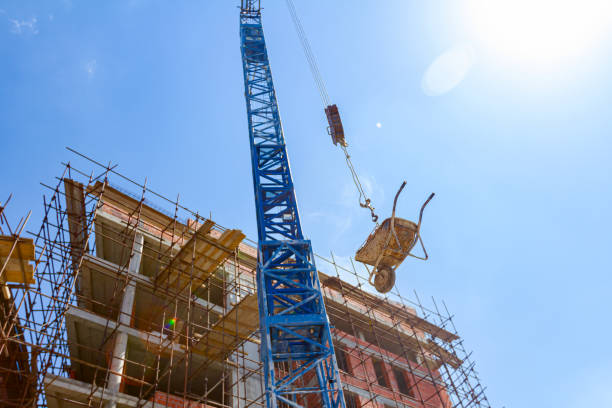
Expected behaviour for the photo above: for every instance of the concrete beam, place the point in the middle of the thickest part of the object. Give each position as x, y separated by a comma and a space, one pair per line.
113, 269
121, 224
57, 387
152, 341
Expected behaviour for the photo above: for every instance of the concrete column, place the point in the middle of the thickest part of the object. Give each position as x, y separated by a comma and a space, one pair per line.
125, 317
247, 384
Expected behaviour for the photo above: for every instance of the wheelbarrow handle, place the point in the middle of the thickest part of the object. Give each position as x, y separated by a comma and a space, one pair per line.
423, 208
392, 227
396, 197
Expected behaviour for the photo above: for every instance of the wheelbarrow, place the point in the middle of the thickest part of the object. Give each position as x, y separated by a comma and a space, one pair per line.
389, 244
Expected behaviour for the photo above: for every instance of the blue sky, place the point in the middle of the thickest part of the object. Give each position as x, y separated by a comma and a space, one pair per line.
503, 112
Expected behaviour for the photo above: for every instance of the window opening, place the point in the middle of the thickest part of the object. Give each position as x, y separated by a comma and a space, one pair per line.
402, 384
379, 369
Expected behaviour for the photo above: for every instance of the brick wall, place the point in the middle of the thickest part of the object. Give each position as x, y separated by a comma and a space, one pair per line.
362, 375
161, 399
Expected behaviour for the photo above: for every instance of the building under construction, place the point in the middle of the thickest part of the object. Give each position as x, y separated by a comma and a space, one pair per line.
134, 300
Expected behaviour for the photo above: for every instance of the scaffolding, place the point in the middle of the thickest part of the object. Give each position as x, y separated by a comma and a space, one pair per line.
17, 382
138, 301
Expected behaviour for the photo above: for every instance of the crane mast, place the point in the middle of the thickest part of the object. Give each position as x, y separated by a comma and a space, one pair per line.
296, 345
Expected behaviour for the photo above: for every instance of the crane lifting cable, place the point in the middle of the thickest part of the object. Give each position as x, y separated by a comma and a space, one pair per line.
393, 240
335, 128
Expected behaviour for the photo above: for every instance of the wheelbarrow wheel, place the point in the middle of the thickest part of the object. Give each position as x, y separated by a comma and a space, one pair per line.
384, 279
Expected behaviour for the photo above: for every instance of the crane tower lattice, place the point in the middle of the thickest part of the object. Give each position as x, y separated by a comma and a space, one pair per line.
296, 348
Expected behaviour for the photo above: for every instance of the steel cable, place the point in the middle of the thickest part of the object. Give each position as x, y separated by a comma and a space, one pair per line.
364, 201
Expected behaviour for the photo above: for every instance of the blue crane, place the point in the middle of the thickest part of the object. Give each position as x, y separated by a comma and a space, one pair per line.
297, 352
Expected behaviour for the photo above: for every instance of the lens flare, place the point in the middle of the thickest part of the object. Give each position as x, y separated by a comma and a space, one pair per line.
448, 70
540, 30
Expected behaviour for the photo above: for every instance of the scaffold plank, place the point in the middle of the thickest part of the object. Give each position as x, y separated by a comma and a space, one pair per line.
15, 257
77, 222
231, 330
199, 257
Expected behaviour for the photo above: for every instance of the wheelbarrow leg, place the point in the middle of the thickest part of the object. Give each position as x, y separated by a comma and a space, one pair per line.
418, 233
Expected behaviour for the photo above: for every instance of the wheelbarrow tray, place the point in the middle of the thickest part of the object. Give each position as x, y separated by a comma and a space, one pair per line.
392, 255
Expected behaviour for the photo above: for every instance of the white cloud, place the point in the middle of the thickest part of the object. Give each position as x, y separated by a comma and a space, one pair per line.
336, 223
343, 268
378, 125
91, 67
349, 198
373, 189
24, 26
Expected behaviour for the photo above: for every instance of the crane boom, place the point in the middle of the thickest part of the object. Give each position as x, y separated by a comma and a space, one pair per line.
296, 344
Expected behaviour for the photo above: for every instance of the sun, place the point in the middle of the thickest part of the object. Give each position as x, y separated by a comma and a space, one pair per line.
540, 30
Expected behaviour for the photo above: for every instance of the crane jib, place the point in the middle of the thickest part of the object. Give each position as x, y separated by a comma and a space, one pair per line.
296, 343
